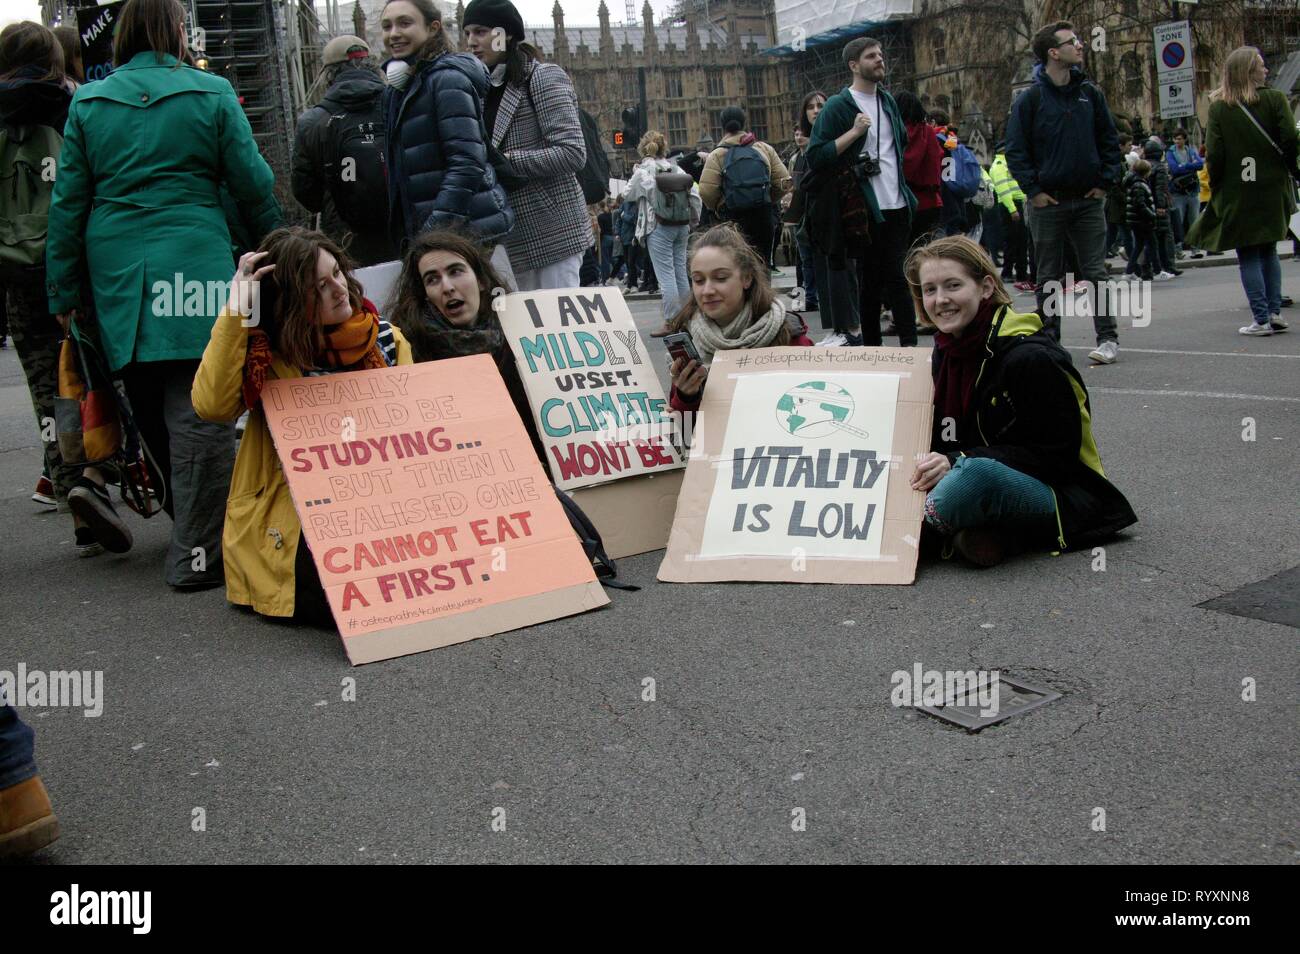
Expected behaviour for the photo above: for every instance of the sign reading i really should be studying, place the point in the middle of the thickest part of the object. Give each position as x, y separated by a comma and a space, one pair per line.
801, 469
428, 516
600, 410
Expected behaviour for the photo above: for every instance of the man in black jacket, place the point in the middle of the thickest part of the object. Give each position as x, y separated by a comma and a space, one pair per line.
1063, 150
338, 154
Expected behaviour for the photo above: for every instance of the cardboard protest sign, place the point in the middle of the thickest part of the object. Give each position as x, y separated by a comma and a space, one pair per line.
377, 282
96, 26
600, 410
428, 516
800, 468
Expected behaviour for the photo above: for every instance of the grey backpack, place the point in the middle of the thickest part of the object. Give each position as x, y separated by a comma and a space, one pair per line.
671, 199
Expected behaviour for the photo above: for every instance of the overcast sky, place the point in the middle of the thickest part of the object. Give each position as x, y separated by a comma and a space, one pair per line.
576, 12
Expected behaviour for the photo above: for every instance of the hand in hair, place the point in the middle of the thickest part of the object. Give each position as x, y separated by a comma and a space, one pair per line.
688, 376
243, 286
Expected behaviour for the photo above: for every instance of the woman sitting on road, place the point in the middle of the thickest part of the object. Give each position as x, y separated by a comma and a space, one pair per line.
443, 305
312, 320
997, 375
732, 306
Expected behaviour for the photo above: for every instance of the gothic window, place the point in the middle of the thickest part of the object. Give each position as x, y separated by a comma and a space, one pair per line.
758, 123
586, 88
677, 129
1131, 68
938, 45
631, 91
716, 83
754, 83
673, 84
956, 104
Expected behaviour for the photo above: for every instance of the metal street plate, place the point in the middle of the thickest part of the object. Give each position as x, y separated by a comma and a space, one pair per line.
1274, 600
1015, 697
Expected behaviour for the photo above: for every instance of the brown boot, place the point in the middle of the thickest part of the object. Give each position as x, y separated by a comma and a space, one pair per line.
27, 822
665, 330
980, 547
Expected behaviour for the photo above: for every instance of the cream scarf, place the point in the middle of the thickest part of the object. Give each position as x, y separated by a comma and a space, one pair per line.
709, 338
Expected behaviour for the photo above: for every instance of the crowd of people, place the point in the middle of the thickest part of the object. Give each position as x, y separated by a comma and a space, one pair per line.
468, 169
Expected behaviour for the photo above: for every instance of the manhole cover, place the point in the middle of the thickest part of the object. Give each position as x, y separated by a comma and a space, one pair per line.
1013, 697
1274, 600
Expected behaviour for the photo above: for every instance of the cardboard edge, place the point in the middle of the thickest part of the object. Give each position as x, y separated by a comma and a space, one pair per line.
464, 627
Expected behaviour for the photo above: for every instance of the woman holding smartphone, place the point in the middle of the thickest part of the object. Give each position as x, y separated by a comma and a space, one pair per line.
732, 306
310, 320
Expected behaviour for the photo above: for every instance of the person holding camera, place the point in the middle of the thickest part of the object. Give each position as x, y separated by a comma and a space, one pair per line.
863, 124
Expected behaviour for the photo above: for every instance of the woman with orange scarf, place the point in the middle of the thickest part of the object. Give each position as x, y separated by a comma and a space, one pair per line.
294, 311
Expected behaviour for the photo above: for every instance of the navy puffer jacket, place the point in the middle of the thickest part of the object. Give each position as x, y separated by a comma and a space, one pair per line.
438, 170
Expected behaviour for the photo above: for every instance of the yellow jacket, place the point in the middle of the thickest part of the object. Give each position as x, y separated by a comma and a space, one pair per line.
711, 176
260, 541
1203, 174
1005, 186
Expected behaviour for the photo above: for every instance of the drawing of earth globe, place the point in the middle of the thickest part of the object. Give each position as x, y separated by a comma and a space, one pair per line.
814, 409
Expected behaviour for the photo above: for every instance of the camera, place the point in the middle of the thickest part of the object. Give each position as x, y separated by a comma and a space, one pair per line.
866, 167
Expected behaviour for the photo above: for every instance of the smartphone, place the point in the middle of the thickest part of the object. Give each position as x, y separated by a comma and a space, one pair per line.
680, 345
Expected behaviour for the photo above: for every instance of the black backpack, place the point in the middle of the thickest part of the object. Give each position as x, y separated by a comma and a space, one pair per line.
592, 545
354, 147
746, 179
594, 175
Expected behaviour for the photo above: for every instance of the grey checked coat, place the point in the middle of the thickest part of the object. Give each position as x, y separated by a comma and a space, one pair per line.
540, 135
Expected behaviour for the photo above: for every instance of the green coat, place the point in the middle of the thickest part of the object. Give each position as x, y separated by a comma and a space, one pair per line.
137, 202
835, 119
1247, 213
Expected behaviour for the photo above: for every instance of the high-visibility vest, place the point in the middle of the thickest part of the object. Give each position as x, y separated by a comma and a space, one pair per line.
1004, 183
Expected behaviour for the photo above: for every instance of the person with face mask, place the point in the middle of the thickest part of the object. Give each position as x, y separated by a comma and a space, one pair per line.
439, 175
312, 321
531, 113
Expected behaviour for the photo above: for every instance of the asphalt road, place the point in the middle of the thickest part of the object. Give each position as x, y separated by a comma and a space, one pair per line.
769, 698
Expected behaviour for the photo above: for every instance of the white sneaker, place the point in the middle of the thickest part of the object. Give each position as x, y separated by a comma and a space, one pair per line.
1278, 323
833, 340
1255, 330
1105, 353
1162, 277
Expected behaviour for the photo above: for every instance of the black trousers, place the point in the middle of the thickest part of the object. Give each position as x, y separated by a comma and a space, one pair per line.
756, 226
881, 280
1015, 261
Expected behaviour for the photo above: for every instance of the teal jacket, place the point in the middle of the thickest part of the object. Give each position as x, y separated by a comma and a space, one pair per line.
835, 119
137, 201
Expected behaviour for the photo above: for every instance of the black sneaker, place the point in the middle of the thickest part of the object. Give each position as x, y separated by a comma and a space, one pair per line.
87, 545
91, 504
852, 341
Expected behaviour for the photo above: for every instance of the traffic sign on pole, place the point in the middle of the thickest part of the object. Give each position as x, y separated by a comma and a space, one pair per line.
1175, 73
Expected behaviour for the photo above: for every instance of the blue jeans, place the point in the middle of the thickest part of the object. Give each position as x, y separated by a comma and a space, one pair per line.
606, 257
1261, 276
667, 247
1189, 207
16, 761
982, 492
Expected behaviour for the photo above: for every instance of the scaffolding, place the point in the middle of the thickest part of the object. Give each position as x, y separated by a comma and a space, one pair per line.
822, 67
265, 49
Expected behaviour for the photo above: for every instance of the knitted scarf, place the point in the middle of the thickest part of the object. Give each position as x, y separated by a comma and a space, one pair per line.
436, 338
710, 338
351, 345
958, 364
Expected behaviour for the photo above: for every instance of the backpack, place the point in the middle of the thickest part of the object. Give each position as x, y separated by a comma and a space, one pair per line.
746, 179
592, 545
594, 174
354, 143
26, 185
963, 175
671, 198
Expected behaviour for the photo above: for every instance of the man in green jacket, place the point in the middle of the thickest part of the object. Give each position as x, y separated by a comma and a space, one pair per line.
1011, 206
137, 211
863, 111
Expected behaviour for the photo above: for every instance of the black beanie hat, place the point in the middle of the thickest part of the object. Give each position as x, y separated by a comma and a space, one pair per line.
495, 13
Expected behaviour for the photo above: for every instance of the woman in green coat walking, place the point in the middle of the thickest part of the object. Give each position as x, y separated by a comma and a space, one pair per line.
136, 210
1251, 150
